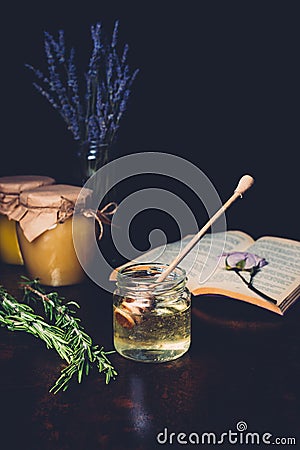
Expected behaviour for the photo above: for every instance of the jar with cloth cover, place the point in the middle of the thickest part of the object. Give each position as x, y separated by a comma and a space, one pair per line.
10, 190
45, 233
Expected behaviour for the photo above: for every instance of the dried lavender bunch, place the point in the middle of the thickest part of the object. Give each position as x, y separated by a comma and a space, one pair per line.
93, 112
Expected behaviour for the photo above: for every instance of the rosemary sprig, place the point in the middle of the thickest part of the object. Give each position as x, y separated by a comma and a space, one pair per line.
85, 354
17, 316
63, 333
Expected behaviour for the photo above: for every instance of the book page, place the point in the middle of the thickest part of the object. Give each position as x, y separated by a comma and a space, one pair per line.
201, 267
282, 274
203, 259
277, 279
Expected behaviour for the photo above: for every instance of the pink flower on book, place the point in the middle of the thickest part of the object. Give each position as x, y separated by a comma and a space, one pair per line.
243, 261
249, 262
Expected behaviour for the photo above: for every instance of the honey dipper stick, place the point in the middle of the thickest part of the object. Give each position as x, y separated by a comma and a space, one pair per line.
245, 183
124, 313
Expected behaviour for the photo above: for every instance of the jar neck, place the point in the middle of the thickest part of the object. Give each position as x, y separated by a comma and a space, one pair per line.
140, 279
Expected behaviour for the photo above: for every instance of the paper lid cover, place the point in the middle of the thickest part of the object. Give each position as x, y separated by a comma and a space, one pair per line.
12, 186
52, 196
42, 208
19, 183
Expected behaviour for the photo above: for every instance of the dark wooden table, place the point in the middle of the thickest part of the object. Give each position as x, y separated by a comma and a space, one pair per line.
243, 366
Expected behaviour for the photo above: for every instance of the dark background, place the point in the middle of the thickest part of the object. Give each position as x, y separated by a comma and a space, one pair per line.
218, 85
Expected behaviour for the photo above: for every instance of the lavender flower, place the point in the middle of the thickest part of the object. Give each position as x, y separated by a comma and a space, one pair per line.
93, 109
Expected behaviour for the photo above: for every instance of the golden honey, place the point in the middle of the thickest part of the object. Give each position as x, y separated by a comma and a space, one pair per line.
10, 190
45, 235
9, 247
51, 257
151, 321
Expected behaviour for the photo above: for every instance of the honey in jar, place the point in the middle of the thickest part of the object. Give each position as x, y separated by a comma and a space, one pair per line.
45, 234
10, 190
151, 321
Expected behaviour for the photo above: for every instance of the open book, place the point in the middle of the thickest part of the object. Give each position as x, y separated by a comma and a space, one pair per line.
206, 272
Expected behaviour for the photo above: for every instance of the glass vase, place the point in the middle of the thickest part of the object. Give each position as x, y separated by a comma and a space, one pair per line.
91, 156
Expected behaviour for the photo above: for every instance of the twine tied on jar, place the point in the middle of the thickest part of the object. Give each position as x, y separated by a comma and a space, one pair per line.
41, 209
101, 216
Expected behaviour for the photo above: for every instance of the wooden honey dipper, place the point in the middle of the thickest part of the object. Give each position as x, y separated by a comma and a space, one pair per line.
244, 184
123, 315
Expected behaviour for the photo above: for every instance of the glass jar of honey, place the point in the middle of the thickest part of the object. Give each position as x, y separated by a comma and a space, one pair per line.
152, 321
45, 234
10, 190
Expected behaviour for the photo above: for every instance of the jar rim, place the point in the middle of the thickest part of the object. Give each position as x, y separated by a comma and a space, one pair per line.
142, 275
